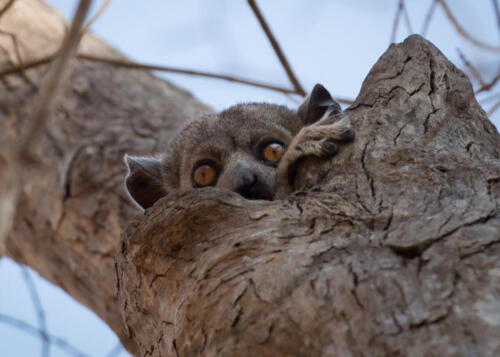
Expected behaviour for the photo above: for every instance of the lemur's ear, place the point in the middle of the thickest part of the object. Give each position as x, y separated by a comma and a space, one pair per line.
143, 182
316, 104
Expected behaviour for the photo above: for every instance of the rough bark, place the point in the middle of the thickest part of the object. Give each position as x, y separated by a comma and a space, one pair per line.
72, 211
390, 248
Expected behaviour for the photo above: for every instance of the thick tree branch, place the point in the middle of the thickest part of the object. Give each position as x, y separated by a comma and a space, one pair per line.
377, 254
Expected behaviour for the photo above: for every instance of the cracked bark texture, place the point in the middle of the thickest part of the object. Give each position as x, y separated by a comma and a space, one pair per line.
390, 248
72, 211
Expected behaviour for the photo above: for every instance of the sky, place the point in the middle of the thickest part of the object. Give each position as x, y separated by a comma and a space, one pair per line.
332, 42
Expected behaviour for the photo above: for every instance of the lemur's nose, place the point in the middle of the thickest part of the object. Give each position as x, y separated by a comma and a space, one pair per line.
248, 184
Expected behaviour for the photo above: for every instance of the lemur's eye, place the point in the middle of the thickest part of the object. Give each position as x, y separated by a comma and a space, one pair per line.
273, 152
205, 174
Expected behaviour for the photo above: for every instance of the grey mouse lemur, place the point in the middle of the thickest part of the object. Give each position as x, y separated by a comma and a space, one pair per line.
252, 149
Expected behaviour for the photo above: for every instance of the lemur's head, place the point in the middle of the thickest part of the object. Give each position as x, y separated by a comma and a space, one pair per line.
237, 149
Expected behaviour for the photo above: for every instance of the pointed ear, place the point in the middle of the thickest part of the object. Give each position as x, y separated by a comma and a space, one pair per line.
316, 104
143, 182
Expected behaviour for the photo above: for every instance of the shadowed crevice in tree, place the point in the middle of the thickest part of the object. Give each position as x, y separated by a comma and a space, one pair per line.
389, 248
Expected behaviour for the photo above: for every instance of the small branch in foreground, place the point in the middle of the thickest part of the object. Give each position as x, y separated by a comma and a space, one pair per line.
462, 31
96, 16
6, 7
277, 49
17, 54
23, 154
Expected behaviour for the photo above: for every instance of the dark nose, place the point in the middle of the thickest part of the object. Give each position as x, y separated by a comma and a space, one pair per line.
249, 185
246, 182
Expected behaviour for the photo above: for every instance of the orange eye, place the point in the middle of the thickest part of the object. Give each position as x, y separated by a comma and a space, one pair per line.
273, 152
204, 175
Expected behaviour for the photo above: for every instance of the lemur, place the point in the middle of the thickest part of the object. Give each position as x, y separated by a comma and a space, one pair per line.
252, 149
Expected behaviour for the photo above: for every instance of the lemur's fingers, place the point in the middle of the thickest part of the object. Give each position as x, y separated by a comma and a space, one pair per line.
339, 130
328, 148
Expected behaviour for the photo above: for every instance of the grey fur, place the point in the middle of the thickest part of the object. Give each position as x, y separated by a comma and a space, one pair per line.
231, 140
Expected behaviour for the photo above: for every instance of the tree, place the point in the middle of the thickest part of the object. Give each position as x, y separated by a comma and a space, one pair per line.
389, 248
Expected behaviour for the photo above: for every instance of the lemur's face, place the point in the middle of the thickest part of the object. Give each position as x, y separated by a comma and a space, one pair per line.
238, 149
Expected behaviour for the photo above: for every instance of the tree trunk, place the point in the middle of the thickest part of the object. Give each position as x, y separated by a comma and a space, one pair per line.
71, 212
392, 250
389, 248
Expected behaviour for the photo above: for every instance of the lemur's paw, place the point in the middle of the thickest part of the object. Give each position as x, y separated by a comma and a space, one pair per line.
322, 138
329, 148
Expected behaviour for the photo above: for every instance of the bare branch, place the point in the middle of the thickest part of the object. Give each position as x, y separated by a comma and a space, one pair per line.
490, 98
51, 85
489, 85
96, 16
396, 21
407, 18
134, 65
31, 330
117, 349
40, 313
428, 18
497, 12
27, 65
473, 70
494, 108
6, 7
462, 31
22, 154
130, 64
277, 49
17, 53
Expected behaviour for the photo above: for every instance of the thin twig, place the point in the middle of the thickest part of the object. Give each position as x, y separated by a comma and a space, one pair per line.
462, 31
396, 21
40, 313
27, 65
130, 64
117, 349
277, 49
96, 16
428, 18
473, 70
407, 18
489, 85
494, 108
497, 12
489, 98
17, 54
134, 65
23, 152
6, 7
29, 329
51, 85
